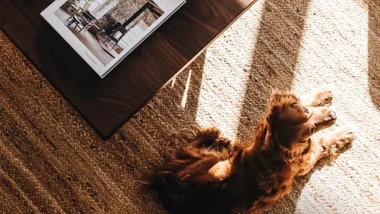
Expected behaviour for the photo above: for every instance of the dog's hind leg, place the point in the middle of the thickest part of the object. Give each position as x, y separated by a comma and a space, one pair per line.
315, 153
210, 138
326, 146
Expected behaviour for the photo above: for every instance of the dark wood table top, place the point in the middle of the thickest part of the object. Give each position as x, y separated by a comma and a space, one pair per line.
106, 104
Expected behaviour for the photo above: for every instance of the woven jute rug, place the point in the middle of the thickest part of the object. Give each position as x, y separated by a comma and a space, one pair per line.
51, 161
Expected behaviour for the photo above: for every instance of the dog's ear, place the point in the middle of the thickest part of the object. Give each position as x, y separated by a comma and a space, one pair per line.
263, 134
272, 114
288, 156
262, 130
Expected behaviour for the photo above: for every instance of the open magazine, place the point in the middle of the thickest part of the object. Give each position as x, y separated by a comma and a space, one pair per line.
104, 32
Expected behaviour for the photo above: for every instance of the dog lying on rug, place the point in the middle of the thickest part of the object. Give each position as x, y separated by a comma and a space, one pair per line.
211, 176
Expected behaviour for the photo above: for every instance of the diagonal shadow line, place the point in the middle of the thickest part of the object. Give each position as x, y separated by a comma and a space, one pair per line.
374, 50
273, 66
275, 57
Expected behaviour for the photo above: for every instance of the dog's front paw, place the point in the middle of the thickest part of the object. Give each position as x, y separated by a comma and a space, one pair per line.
340, 139
323, 97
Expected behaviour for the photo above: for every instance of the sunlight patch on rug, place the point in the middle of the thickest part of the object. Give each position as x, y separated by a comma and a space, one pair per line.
186, 91
227, 63
335, 45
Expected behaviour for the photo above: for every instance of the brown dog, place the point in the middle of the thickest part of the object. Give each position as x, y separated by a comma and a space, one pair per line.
210, 176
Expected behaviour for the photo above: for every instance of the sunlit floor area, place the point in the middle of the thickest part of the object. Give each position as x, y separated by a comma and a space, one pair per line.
51, 160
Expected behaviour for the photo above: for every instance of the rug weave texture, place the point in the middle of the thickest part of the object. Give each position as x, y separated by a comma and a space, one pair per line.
51, 161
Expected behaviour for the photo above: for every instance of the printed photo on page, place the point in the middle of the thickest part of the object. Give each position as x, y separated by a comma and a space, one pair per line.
104, 31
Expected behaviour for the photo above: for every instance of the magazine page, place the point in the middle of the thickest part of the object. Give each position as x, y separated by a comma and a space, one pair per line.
103, 32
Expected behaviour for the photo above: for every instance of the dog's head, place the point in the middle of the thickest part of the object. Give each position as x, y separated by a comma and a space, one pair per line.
291, 123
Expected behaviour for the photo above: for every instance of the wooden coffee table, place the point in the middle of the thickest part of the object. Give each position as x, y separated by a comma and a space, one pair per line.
106, 104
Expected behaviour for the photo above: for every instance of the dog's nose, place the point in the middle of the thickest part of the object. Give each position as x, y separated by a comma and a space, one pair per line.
332, 115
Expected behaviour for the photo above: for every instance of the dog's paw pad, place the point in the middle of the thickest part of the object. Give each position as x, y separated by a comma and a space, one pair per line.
223, 141
340, 139
323, 97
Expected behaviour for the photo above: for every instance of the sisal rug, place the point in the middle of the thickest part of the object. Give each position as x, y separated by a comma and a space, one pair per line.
51, 161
